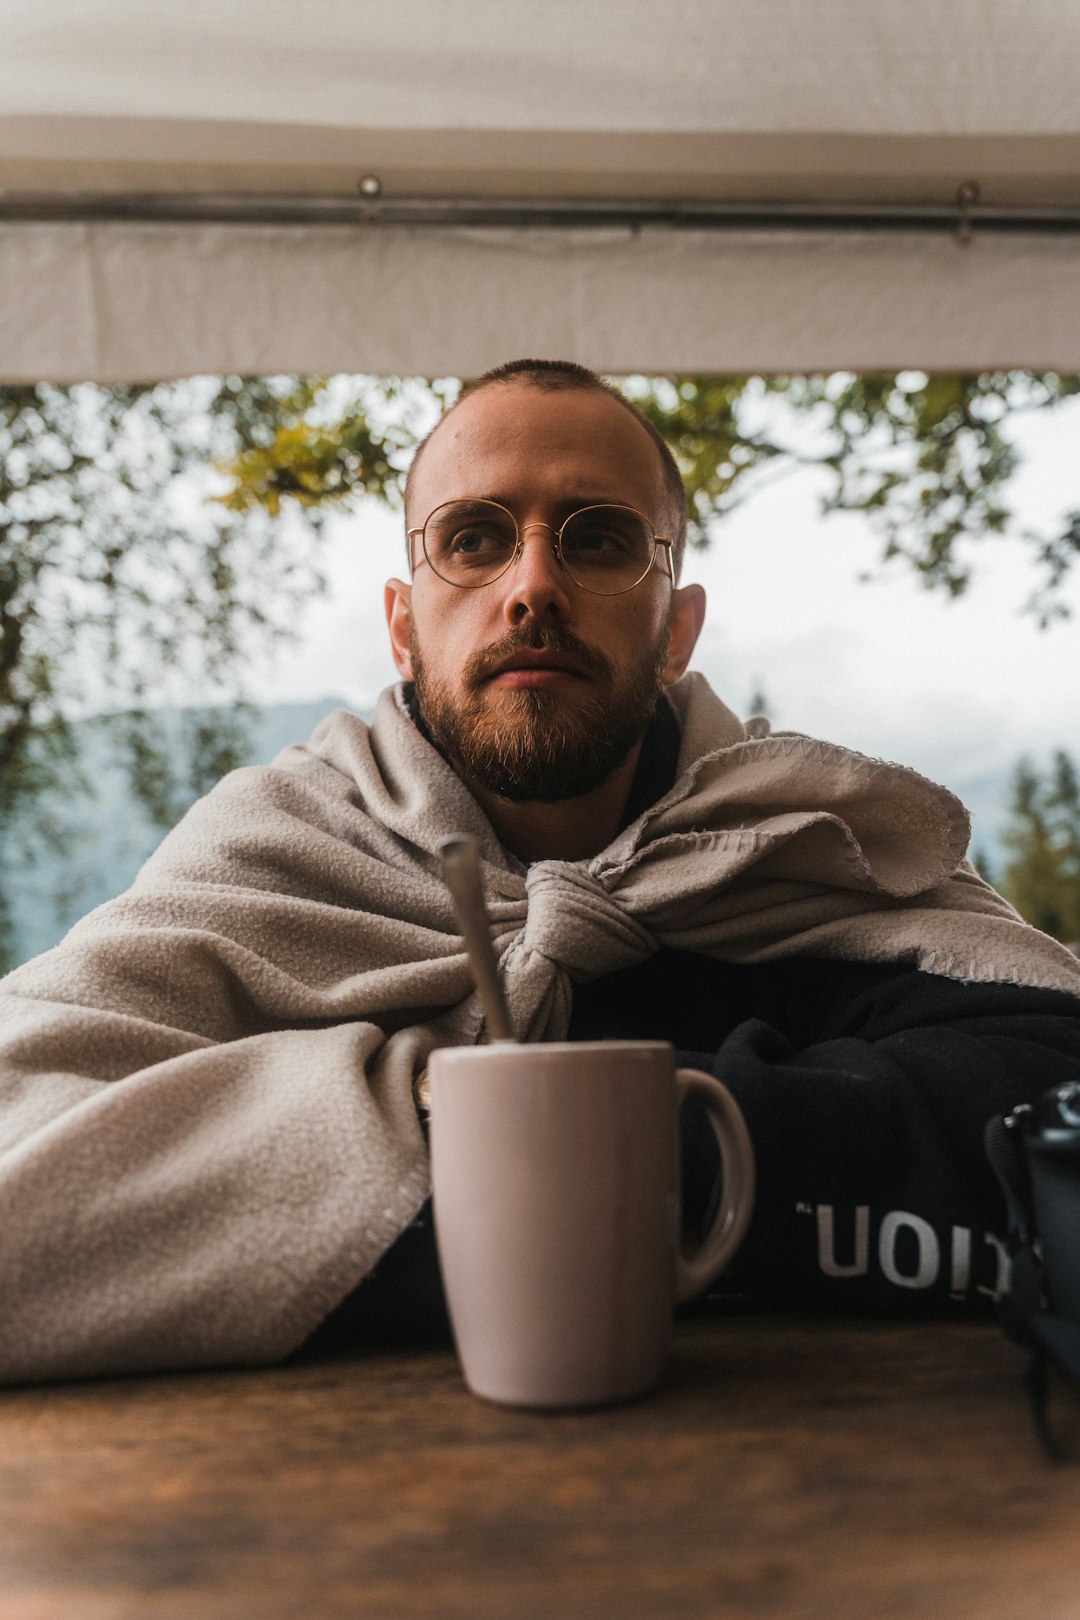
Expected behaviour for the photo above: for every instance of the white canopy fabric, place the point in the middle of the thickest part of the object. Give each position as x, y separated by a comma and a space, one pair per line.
840, 102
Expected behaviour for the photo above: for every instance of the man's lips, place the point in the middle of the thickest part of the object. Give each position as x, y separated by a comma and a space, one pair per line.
536, 667
555, 659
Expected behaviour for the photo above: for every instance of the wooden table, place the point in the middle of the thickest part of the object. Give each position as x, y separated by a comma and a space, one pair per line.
788, 1467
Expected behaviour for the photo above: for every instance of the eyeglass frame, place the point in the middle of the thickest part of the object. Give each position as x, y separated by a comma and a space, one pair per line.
556, 549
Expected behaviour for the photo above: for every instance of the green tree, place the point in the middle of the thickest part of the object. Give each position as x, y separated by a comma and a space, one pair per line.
121, 585
1042, 877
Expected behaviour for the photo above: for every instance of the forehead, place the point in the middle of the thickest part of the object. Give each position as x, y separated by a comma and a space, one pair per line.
526, 445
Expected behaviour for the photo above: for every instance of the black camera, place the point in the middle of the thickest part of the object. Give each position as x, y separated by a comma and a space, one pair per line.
1035, 1154
1041, 1181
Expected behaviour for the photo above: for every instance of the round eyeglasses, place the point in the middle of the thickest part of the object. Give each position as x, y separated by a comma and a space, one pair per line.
604, 549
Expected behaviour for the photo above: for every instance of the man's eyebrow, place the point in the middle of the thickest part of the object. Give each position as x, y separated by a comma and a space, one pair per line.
473, 500
568, 503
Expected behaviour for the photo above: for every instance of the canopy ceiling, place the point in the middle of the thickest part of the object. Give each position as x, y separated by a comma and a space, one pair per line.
169, 115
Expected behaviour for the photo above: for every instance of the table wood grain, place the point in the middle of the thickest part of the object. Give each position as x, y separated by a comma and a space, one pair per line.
787, 1468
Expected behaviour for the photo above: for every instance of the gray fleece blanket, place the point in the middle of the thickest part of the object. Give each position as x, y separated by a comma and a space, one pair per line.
208, 1132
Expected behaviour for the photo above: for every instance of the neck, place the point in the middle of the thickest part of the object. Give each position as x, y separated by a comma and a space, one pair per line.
567, 830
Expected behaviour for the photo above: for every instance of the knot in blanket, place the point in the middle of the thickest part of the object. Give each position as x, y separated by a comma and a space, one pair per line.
573, 931
577, 925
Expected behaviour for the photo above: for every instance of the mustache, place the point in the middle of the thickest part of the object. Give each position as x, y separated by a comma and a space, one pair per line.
535, 637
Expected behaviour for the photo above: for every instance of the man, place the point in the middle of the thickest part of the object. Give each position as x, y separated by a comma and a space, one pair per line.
211, 1146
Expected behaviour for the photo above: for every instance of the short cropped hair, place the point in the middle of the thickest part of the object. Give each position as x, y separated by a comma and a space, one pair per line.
551, 375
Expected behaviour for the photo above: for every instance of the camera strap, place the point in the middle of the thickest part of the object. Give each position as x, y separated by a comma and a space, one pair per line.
1052, 1341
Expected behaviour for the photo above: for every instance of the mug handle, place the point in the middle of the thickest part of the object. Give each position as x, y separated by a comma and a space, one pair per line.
695, 1271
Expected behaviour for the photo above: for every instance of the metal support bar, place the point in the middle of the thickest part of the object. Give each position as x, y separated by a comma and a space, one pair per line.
962, 217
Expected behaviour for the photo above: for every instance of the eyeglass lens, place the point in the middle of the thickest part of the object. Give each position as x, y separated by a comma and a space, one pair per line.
605, 549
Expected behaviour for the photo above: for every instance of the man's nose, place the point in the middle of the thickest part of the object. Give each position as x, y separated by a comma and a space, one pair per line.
537, 585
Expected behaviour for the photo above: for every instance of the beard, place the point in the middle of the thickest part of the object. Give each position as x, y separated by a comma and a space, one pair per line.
533, 744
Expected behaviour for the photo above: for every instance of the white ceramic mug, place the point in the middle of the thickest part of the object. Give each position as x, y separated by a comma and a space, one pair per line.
555, 1172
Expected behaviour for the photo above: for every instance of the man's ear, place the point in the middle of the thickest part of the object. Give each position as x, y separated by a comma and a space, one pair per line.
687, 618
398, 600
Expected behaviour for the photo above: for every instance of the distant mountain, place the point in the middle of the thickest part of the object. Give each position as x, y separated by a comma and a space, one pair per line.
110, 835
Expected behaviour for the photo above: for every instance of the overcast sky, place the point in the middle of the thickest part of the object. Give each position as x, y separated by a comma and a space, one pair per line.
957, 689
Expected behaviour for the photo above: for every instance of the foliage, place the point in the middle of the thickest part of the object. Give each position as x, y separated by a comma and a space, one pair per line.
927, 460
1043, 877
337, 439
120, 584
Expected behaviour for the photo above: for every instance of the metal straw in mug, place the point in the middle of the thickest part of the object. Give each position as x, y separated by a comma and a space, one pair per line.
461, 869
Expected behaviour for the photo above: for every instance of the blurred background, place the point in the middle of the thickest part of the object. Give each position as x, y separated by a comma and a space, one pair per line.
834, 253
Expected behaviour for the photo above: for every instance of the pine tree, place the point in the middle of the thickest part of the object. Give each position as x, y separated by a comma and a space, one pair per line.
1042, 879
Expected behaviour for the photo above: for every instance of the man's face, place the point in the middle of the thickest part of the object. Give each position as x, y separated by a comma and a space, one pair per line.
535, 688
